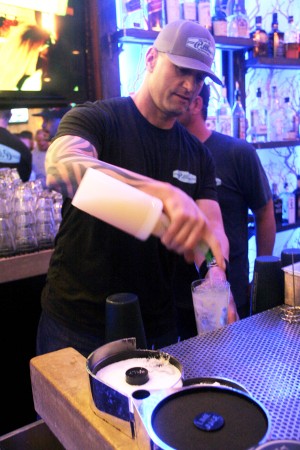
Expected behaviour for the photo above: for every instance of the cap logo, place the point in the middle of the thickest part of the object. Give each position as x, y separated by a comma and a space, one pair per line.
201, 46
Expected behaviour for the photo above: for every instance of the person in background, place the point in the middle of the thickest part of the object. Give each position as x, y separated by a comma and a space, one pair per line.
138, 141
42, 143
13, 152
242, 184
26, 137
51, 119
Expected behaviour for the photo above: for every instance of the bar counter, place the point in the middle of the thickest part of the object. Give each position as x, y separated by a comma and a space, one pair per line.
262, 353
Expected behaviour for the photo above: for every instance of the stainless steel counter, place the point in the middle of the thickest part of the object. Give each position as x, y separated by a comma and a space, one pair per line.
262, 353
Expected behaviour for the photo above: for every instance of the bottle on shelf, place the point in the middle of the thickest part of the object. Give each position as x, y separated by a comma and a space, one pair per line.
260, 39
275, 122
172, 10
238, 116
285, 196
297, 199
224, 114
291, 39
238, 24
291, 208
275, 39
203, 14
132, 14
277, 204
258, 120
219, 20
289, 121
297, 121
188, 10
211, 119
155, 15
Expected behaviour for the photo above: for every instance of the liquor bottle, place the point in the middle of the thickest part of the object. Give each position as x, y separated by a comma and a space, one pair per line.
291, 39
276, 39
172, 10
238, 116
260, 39
155, 15
224, 114
277, 204
203, 14
189, 10
291, 208
297, 122
297, 199
211, 119
259, 119
132, 14
285, 195
238, 23
219, 20
275, 122
289, 121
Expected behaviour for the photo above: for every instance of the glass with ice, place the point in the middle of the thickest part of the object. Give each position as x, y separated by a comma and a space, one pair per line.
210, 300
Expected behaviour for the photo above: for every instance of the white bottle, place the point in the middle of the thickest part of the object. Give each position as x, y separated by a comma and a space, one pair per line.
172, 10
188, 10
204, 15
291, 208
275, 122
238, 116
291, 40
289, 121
211, 120
238, 24
224, 114
258, 119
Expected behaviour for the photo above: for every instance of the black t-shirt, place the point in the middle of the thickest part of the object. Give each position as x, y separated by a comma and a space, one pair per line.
92, 259
15, 154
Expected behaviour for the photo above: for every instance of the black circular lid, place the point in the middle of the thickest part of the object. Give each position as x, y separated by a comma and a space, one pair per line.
210, 418
137, 376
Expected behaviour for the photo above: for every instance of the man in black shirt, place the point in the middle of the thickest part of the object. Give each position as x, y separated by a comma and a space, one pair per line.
13, 152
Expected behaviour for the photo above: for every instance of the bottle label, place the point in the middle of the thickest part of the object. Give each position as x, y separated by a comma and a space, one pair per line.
211, 123
291, 208
291, 50
220, 28
189, 10
224, 125
172, 10
204, 17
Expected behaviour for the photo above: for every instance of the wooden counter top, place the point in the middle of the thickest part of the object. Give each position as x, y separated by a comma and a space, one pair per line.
61, 392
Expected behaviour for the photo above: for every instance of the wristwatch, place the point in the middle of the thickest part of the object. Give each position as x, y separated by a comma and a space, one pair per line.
203, 269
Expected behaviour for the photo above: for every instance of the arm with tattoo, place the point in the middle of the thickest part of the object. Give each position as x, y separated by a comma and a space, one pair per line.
68, 157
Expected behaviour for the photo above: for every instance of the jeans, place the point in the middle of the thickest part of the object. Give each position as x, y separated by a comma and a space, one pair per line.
52, 336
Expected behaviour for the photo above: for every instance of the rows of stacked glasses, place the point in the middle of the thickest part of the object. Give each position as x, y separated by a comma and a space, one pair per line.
29, 215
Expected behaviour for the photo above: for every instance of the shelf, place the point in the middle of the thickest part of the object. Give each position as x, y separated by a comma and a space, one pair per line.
272, 63
136, 36
24, 266
275, 144
287, 226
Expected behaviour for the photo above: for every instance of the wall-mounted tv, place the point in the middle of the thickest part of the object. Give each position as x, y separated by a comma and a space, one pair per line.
43, 53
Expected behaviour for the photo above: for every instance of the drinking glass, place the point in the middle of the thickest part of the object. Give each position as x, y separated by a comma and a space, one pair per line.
210, 300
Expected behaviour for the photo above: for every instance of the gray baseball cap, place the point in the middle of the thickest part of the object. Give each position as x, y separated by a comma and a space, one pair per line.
187, 44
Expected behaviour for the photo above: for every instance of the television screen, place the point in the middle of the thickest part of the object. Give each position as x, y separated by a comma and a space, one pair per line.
43, 50
19, 115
